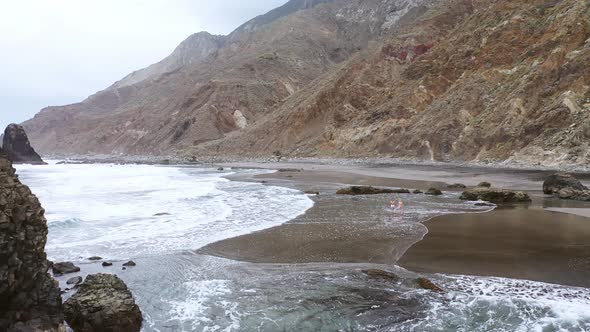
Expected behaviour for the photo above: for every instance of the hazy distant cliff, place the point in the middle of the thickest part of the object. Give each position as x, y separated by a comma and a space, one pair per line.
443, 80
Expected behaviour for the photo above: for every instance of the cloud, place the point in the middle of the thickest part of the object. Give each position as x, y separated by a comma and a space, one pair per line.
60, 51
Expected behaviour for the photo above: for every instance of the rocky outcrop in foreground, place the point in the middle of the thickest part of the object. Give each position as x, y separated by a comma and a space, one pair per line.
18, 148
30, 299
103, 303
566, 186
497, 196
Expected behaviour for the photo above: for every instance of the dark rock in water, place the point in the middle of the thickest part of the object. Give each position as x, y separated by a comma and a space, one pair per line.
283, 170
64, 268
220, 169
485, 185
495, 195
94, 258
161, 214
367, 190
130, 263
556, 182
381, 274
103, 303
17, 147
124, 268
427, 284
30, 300
105, 264
457, 186
433, 192
311, 192
62, 163
417, 191
74, 281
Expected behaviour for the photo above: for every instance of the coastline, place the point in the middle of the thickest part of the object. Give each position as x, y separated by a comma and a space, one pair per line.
438, 244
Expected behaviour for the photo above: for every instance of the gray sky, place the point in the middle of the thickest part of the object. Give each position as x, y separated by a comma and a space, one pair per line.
61, 51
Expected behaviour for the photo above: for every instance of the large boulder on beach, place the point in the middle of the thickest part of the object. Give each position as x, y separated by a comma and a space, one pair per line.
17, 147
103, 303
368, 190
433, 192
495, 195
559, 181
64, 268
30, 300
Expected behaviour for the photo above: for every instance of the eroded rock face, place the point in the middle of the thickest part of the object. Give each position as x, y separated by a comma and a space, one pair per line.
17, 146
30, 299
103, 303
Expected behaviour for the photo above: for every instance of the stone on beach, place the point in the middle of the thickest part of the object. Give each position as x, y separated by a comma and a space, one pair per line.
130, 263
566, 186
103, 303
495, 195
105, 264
433, 192
368, 190
75, 281
484, 185
457, 186
64, 268
556, 182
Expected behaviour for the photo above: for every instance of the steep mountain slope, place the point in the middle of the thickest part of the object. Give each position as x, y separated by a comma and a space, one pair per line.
471, 80
211, 86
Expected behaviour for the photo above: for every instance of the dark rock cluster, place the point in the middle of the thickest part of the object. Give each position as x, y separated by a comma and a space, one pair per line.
566, 186
18, 148
367, 190
497, 196
103, 303
30, 299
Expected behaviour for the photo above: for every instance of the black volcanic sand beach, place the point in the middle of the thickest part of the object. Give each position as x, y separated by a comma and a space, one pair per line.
521, 243
524, 242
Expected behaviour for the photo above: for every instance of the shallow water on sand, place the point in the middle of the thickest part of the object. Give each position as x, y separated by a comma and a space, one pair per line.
158, 216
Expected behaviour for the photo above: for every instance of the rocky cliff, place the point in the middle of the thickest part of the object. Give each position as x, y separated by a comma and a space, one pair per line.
227, 85
30, 298
435, 80
17, 147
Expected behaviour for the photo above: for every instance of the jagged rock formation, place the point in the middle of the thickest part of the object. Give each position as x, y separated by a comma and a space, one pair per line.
103, 304
439, 80
17, 146
30, 299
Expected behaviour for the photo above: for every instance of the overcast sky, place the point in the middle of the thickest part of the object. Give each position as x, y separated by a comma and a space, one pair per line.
61, 51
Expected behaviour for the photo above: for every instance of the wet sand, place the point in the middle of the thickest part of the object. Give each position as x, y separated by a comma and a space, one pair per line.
518, 243
337, 229
526, 243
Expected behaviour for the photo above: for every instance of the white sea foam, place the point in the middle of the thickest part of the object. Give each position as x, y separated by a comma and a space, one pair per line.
124, 211
501, 304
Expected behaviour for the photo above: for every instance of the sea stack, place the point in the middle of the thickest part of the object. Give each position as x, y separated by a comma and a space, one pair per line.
30, 298
17, 147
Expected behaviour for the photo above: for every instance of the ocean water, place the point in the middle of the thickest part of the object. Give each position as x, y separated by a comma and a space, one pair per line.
159, 217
